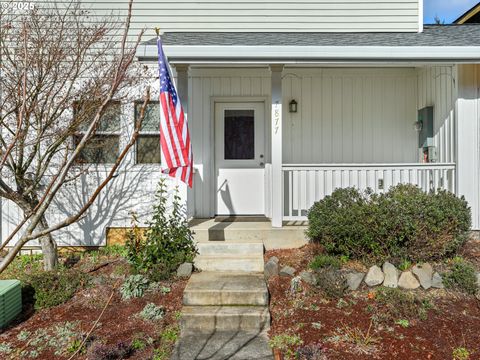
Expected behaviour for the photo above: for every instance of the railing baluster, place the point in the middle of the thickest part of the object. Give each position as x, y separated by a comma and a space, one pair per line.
305, 184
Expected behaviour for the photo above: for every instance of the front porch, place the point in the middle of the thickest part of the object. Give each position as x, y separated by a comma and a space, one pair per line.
354, 127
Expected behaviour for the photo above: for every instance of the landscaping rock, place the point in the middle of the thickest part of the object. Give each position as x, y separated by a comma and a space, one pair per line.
308, 277
270, 269
287, 271
354, 280
274, 259
408, 281
185, 270
374, 276
424, 273
437, 281
391, 275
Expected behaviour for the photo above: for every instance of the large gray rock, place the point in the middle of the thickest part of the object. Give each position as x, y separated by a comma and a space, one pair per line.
287, 271
424, 273
391, 275
308, 277
185, 270
408, 281
374, 276
354, 280
270, 269
437, 281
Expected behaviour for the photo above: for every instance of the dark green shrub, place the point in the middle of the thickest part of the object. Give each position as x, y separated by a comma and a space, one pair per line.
167, 243
325, 261
403, 223
52, 288
462, 276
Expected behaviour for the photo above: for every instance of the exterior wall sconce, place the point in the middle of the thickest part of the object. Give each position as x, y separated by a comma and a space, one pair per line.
418, 125
293, 106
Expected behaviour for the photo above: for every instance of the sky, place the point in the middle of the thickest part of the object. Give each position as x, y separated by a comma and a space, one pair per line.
448, 10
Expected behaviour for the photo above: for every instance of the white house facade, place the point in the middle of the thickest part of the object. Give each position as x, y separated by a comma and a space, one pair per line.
288, 101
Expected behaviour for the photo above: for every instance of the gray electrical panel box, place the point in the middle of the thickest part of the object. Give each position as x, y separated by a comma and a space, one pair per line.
425, 118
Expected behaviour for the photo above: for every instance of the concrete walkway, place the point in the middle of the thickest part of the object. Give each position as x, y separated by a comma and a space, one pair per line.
225, 314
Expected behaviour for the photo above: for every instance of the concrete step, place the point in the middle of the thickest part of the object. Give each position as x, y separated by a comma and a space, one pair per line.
288, 236
232, 345
216, 288
230, 263
224, 318
222, 248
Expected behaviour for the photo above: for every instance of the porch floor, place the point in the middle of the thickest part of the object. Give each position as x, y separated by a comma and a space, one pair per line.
250, 230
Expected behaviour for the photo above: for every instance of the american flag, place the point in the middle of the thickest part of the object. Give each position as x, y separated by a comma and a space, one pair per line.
175, 142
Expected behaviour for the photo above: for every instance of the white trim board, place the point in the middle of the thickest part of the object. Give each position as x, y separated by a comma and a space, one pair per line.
293, 54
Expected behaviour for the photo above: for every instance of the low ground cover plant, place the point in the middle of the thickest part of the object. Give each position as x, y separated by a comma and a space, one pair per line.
325, 261
462, 276
393, 305
52, 288
134, 286
167, 243
403, 223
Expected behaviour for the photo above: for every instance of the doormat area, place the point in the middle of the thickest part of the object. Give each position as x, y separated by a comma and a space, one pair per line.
241, 219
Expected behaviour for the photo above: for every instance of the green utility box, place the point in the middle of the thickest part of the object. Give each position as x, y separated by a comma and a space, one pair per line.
10, 301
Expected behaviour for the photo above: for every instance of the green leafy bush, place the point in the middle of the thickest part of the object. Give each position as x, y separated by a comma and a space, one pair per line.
52, 288
403, 223
166, 244
325, 261
134, 286
462, 276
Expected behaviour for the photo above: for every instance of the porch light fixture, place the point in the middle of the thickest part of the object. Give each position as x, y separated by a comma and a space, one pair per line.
293, 106
418, 125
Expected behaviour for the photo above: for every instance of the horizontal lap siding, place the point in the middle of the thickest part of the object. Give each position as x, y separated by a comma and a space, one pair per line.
278, 15
350, 116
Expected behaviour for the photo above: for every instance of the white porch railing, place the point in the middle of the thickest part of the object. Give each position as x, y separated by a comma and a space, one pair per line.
305, 184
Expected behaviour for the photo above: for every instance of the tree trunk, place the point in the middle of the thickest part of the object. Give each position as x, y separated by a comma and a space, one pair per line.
49, 247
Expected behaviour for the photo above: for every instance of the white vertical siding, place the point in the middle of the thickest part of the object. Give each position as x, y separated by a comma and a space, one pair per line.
205, 85
436, 88
468, 135
267, 15
350, 116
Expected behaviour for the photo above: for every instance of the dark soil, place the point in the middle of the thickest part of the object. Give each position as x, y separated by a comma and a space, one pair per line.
346, 330
119, 323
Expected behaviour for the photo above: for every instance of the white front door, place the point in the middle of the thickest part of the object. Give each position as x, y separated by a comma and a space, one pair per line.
240, 158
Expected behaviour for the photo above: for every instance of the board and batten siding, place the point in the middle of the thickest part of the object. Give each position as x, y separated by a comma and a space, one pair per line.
267, 15
228, 85
350, 116
436, 87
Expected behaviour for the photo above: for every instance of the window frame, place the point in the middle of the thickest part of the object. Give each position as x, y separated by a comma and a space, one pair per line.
145, 133
78, 135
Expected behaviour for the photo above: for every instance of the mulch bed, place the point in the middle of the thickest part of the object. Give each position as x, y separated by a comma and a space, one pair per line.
118, 323
453, 322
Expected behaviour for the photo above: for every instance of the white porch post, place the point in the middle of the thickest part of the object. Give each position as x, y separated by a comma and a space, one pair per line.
182, 88
277, 183
468, 127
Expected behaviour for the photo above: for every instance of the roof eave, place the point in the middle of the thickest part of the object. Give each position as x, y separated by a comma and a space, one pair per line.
288, 54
